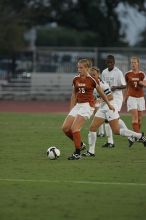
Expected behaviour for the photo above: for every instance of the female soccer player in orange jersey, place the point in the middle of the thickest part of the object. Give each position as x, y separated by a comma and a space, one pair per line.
82, 105
136, 80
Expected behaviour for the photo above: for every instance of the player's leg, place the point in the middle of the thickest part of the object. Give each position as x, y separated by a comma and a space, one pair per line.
66, 127
134, 115
84, 113
141, 109
76, 126
131, 140
101, 132
140, 116
125, 131
95, 124
132, 107
108, 130
122, 123
68, 122
119, 127
109, 134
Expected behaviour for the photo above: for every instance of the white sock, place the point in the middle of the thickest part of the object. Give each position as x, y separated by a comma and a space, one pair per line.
101, 129
109, 133
129, 133
122, 124
92, 141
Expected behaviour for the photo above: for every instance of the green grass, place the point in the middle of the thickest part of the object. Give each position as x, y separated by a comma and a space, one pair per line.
111, 186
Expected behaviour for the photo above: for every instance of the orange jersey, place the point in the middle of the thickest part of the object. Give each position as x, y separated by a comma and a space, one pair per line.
133, 87
84, 89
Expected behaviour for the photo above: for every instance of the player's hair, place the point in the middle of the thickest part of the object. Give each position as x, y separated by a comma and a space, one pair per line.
86, 62
95, 68
110, 57
136, 58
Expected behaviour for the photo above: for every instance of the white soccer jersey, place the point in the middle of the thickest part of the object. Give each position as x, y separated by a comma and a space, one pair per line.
115, 77
105, 87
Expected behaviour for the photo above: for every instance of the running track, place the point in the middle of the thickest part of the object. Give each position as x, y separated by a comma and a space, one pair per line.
37, 106
33, 106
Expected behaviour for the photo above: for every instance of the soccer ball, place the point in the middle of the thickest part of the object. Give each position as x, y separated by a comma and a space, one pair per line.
53, 153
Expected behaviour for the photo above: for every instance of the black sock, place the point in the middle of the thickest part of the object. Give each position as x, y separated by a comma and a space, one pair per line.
77, 151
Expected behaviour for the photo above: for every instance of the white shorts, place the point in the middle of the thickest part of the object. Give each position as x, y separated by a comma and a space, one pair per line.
118, 102
83, 109
107, 114
135, 103
97, 103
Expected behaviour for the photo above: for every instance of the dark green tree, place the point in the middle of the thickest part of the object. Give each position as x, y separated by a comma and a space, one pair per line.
98, 18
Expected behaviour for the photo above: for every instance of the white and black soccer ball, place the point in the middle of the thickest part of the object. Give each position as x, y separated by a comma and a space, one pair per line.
53, 153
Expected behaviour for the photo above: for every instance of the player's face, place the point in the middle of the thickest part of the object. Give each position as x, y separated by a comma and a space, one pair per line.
110, 64
134, 64
82, 69
94, 73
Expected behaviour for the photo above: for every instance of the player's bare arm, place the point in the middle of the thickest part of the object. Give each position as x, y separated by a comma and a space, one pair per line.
125, 96
104, 97
73, 99
142, 83
113, 88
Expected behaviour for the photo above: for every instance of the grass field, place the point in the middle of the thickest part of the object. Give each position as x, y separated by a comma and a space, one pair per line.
111, 186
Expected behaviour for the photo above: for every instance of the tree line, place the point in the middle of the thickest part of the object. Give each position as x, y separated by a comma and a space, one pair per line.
78, 23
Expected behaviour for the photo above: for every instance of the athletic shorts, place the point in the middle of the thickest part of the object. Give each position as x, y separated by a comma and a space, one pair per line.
83, 109
107, 114
135, 103
97, 103
118, 102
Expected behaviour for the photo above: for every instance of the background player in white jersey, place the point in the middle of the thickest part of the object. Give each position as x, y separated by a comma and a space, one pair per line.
115, 78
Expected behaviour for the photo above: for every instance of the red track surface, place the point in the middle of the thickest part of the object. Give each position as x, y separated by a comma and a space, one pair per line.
33, 106
37, 106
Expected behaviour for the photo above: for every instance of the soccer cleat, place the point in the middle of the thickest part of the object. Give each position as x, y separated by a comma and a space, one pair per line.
108, 145
83, 146
111, 145
143, 139
100, 135
88, 154
75, 157
105, 145
131, 141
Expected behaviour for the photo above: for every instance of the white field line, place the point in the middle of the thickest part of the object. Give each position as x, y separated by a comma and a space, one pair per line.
73, 182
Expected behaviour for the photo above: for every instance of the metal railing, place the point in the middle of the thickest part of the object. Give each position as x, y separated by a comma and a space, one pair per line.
64, 59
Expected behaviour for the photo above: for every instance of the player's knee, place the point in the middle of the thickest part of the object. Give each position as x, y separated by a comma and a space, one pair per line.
65, 129
116, 131
93, 128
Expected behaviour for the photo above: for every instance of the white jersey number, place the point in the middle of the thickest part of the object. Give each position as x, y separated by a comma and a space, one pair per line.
81, 90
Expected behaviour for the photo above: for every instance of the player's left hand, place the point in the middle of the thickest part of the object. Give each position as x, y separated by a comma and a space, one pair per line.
111, 107
113, 88
140, 83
